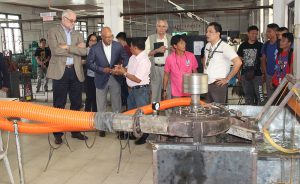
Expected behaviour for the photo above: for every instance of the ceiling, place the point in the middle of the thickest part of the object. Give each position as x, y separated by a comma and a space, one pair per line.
96, 6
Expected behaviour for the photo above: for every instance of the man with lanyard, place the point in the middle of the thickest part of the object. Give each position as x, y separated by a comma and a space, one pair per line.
42, 55
137, 78
178, 63
218, 59
157, 47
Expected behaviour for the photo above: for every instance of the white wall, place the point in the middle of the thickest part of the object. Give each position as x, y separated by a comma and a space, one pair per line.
229, 23
35, 30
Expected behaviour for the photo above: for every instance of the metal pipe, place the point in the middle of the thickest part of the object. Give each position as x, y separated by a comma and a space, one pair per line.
272, 98
280, 107
197, 10
55, 19
15, 123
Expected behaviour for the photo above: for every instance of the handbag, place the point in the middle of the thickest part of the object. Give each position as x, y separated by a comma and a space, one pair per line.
249, 73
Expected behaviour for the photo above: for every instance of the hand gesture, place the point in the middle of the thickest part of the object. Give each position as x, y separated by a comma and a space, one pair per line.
161, 49
63, 46
222, 82
81, 45
107, 70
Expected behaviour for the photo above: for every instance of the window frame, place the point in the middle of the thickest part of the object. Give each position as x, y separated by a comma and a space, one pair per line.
12, 33
80, 26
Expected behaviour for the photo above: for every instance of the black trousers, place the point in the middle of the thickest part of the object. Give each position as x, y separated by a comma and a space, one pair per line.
90, 91
67, 85
216, 93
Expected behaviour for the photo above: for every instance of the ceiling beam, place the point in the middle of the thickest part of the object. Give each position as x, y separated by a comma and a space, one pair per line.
197, 10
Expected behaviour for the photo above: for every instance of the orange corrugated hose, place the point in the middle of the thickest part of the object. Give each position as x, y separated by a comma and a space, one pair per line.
50, 119
53, 118
165, 105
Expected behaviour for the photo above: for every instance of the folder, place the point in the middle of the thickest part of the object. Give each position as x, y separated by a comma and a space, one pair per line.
156, 46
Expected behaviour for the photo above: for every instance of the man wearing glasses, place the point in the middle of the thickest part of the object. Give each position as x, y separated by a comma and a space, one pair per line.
65, 66
219, 57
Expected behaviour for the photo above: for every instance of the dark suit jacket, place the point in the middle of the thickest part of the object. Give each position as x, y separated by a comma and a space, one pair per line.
97, 61
3, 73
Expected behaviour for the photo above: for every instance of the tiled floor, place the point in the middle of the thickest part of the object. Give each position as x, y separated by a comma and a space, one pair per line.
81, 165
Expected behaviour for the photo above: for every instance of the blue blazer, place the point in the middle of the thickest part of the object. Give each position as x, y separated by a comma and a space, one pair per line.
97, 61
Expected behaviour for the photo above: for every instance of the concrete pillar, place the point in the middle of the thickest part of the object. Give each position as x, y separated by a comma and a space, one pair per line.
296, 65
112, 19
279, 7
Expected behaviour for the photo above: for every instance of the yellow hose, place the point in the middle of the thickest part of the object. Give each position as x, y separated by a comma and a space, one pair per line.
275, 145
294, 105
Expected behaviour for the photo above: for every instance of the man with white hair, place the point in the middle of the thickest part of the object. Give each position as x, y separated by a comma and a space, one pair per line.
158, 48
65, 66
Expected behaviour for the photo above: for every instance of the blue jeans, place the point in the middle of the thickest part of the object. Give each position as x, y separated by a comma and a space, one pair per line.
138, 97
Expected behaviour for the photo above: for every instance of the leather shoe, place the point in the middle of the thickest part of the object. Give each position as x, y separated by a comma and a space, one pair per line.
58, 140
79, 136
102, 133
142, 140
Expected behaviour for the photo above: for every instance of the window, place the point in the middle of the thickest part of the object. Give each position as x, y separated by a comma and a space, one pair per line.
291, 16
12, 33
99, 26
81, 26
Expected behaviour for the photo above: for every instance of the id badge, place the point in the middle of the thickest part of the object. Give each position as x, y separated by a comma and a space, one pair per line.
187, 62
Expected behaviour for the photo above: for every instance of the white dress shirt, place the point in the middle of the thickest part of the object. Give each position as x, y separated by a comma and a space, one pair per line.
107, 51
139, 66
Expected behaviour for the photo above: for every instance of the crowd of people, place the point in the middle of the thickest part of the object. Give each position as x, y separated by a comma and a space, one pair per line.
142, 72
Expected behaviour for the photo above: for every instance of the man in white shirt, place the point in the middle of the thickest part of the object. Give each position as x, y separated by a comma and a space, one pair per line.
158, 48
137, 78
219, 57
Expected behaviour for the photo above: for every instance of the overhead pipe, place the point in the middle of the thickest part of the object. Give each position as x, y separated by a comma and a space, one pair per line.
55, 19
198, 10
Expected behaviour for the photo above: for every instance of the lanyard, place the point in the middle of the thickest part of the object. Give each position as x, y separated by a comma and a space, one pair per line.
211, 53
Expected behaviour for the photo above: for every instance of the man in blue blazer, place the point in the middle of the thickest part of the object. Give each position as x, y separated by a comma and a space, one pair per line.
102, 59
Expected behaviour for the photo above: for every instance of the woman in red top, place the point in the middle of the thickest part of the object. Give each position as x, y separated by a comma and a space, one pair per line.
284, 60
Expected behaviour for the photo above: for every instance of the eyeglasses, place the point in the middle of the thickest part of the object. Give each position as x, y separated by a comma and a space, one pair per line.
71, 20
91, 40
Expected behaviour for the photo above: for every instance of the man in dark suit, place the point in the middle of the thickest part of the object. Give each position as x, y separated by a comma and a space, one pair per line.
102, 59
65, 66
3, 75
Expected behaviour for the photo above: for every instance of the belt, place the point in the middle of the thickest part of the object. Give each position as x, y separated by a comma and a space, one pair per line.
69, 66
159, 65
140, 86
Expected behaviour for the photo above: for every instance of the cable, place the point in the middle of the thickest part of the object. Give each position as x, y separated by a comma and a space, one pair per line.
275, 145
93, 142
267, 134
